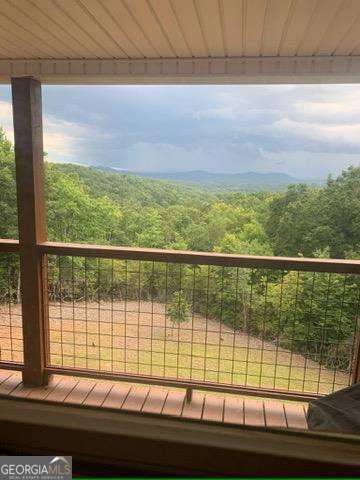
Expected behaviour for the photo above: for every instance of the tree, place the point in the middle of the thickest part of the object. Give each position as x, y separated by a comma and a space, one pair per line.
177, 310
297, 222
9, 264
305, 219
341, 197
73, 214
8, 208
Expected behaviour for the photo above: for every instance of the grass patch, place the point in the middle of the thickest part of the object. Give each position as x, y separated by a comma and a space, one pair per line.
138, 339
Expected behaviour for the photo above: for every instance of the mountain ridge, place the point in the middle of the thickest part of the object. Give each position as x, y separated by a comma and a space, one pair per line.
246, 181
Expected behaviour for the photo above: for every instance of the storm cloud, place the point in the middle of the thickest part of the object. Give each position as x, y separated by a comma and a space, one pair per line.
305, 130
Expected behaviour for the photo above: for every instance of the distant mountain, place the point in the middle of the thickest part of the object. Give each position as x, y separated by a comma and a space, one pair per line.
249, 181
111, 183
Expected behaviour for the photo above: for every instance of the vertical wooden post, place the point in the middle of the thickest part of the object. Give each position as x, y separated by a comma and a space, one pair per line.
356, 358
27, 111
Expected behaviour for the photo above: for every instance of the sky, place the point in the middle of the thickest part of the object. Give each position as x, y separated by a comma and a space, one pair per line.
306, 131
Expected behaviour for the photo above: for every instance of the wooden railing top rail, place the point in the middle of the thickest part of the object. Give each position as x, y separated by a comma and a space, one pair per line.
9, 246
189, 257
202, 258
195, 258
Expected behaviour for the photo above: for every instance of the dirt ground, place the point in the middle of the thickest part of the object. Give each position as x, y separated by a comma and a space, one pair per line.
136, 337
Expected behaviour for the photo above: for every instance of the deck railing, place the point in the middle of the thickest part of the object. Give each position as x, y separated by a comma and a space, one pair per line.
284, 327
270, 326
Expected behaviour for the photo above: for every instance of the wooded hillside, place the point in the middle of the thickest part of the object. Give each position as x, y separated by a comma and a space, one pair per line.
317, 313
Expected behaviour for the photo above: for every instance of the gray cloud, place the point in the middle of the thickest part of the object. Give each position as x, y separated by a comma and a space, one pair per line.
304, 130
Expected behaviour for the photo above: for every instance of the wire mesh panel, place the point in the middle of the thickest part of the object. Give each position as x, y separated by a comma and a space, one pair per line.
11, 346
272, 329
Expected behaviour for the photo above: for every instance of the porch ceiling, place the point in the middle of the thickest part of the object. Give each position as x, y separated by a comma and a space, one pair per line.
112, 41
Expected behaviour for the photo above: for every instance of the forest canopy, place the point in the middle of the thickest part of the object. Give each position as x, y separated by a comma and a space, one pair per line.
90, 205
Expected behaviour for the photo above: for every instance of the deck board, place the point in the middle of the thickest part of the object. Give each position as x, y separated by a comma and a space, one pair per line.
254, 412
116, 396
275, 414
4, 374
98, 394
213, 408
10, 383
41, 393
295, 416
174, 403
155, 400
234, 410
62, 389
21, 391
136, 398
209, 407
194, 409
80, 392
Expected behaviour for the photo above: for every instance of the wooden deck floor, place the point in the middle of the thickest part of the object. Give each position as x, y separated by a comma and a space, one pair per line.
207, 407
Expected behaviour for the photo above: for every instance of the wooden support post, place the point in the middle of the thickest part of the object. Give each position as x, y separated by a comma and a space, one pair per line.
356, 358
27, 111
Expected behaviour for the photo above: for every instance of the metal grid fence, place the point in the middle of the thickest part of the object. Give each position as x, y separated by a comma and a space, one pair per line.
11, 344
274, 329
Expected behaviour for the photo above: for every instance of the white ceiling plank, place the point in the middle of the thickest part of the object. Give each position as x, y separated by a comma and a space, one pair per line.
150, 26
7, 50
178, 29
165, 13
130, 26
188, 19
6, 53
254, 25
99, 11
7, 24
82, 17
233, 27
325, 12
356, 50
10, 42
301, 15
211, 25
339, 27
350, 42
50, 27
55, 9
44, 37
277, 13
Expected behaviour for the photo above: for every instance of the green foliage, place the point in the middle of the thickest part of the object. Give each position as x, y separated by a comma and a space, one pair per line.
177, 310
306, 219
74, 215
8, 224
125, 189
